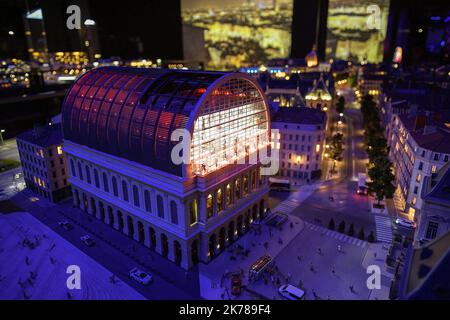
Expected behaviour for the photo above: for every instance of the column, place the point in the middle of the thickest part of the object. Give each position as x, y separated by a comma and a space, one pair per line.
105, 208
125, 224
147, 242
186, 258
136, 230
171, 251
82, 207
116, 219
98, 214
158, 247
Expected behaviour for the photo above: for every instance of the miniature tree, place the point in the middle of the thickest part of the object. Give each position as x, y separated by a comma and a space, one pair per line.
331, 225
342, 227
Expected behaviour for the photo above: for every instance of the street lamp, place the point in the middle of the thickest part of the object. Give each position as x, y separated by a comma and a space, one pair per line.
1, 136
341, 114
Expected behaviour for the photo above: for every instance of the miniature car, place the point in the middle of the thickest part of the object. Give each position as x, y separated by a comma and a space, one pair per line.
405, 223
290, 292
87, 240
65, 225
140, 276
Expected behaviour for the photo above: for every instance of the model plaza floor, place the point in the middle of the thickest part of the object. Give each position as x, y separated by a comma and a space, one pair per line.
49, 261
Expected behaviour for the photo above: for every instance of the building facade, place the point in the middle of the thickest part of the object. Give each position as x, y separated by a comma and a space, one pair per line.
44, 163
418, 149
118, 124
301, 142
434, 218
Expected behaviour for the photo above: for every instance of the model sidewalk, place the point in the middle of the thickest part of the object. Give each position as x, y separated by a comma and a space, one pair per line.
269, 241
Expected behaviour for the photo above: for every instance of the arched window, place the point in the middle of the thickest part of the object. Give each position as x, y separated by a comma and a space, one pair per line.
254, 180
96, 180
72, 167
88, 174
80, 172
209, 206
136, 196
219, 200
114, 185
147, 201
228, 195
160, 205
125, 190
105, 182
238, 188
245, 185
193, 212
173, 212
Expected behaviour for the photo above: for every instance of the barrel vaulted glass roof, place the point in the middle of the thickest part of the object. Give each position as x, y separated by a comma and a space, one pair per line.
131, 113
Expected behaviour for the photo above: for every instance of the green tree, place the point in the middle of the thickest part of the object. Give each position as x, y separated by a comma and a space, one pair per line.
341, 227
336, 147
371, 237
331, 225
351, 230
381, 176
361, 234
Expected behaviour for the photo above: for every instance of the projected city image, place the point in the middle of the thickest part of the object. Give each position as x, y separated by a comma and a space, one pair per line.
356, 30
239, 33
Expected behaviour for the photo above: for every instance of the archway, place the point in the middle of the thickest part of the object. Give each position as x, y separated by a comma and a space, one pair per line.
247, 220
110, 216
255, 212
93, 206
76, 197
177, 251
194, 251
120, 219
164, 245
130, 226
141, 232
231, 232
102, 211
212, 245
85, 202
222, 239
239, 226
261, 209
152, 238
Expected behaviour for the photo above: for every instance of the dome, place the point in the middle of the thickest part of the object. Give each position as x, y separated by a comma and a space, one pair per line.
130, 113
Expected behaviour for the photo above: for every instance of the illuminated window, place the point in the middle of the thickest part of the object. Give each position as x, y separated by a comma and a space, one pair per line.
219, 200
209, 206
232, 121
245, 185
317, 147
238, 188
414, 201
59, 149
253, 180
419, 177
193, 212
433, 169
228, 195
